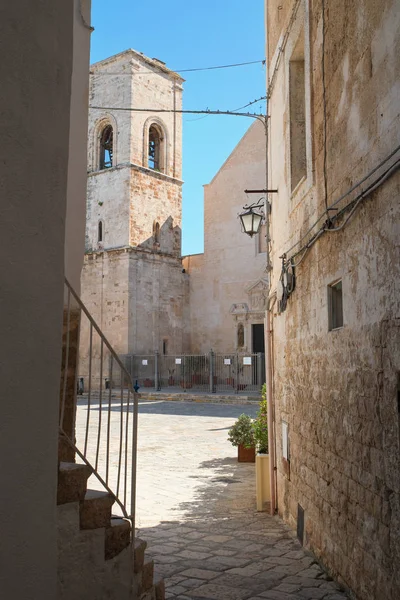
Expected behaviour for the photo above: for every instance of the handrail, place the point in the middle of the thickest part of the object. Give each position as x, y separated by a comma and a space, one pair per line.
118, 427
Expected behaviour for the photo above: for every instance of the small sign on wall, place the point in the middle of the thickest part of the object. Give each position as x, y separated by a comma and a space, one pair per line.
144, 361
178, 361
227, 361
247, 360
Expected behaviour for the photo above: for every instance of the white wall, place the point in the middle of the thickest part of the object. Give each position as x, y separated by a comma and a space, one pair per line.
36, 45
77, 171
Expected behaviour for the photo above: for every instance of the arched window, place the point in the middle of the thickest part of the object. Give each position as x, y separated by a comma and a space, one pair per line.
100, 232
156, 232
155, 158
106, 147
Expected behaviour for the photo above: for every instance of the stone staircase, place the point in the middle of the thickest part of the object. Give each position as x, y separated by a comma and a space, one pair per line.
95, 555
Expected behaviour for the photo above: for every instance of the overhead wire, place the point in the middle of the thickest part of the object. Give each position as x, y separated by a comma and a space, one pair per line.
196, 69
352, 206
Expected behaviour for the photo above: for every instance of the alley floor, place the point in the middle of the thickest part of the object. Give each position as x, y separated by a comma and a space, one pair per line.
196, 510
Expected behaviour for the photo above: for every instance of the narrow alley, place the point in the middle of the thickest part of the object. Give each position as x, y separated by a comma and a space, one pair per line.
196, 511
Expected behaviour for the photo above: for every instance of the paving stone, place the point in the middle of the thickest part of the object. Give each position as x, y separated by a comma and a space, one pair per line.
206, 537
212, 591
312, 593
202, 574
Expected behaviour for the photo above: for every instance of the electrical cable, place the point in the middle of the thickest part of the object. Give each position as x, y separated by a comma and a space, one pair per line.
351, 205
252, 62
343, 196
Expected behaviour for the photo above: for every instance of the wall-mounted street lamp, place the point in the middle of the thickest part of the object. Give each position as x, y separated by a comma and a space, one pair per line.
251, 218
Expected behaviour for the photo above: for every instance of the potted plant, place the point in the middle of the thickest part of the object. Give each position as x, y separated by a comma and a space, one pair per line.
241, 434
260, 433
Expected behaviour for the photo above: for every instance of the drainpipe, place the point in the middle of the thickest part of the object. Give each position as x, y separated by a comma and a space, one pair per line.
267, 321
270, 403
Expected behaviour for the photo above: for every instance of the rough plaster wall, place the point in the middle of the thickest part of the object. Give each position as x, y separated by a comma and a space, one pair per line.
157, 304
138, 299
337, 390
231, 262
155, 198
35, 109
108, 201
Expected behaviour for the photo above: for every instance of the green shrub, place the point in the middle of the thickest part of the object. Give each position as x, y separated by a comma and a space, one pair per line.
241, 433
260, 424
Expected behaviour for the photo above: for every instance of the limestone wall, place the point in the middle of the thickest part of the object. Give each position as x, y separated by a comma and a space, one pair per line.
337, 390
221, 278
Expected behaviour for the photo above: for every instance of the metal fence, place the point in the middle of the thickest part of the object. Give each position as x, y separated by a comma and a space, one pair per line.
208, 373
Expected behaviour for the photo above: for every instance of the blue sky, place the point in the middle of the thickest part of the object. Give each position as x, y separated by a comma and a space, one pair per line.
187, 34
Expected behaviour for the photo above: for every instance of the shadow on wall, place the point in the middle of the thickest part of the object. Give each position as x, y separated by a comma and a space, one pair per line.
166, 238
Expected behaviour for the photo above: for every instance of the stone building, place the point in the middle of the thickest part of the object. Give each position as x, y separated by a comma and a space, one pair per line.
334, 121
132, 278
227, 283
143, 295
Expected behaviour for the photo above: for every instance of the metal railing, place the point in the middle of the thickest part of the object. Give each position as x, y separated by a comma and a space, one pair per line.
106, 435
208, 373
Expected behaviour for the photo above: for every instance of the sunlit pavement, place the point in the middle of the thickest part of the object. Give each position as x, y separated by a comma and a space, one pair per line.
196, 509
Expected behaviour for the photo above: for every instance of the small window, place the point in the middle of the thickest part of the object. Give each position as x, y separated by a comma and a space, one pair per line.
165, 347
240, 335
154, 158
156, 233
335, 305
100, 232
106, 148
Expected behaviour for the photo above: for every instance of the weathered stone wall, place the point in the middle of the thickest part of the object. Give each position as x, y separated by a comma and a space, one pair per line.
221, 278
132, 280
138, 298
338, 390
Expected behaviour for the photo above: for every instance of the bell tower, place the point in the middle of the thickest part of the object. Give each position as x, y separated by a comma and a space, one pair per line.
132, 280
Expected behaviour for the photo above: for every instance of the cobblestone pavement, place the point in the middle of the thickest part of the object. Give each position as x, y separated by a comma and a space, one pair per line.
196, 510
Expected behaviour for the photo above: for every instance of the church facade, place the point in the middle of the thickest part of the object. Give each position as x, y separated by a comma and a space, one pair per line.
143, 294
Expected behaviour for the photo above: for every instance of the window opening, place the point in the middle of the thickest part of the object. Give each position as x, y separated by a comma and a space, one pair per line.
165, 347
335, 305
100, 232
297, 115
106, 148
240, 335
156, 233
154, 151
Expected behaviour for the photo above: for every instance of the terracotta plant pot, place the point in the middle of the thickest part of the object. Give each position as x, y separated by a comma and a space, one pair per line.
171, 381
246, 454
148, 383
186, 384
230, 381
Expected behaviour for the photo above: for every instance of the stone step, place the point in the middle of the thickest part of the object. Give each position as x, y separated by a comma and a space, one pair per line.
118, 537
147, 576
72, 482
159, 587
140, 547
95, 510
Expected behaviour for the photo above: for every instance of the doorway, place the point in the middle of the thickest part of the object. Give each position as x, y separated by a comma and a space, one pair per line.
258, 341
